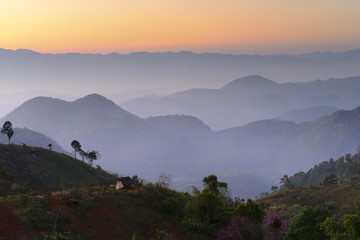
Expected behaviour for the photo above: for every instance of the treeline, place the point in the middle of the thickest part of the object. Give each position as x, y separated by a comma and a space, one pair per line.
211, 214
343, 170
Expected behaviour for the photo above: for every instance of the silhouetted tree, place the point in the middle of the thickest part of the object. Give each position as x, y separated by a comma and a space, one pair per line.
91, 156
83, 154
7, 129
50, 146
76, 146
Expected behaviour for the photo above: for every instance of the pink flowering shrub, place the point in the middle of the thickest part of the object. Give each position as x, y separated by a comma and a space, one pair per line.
239, 228
275, 225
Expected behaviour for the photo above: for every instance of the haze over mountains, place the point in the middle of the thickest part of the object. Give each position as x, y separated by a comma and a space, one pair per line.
253, 98
164, 73
183, 146
191, 114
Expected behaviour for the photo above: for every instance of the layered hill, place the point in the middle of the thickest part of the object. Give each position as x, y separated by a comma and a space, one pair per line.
42, 168
184, 147
251, 98
307, 114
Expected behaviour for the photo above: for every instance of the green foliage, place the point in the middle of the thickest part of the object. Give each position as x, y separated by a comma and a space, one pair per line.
211, 183
251, 211
307, 224
36, 217
208, 205
331, 228
352, 226
192, 224
330, 180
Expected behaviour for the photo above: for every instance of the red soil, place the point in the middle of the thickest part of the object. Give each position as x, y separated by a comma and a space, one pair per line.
10, 226
103, 223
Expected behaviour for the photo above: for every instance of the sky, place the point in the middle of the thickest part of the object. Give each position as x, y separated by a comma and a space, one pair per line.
227, 26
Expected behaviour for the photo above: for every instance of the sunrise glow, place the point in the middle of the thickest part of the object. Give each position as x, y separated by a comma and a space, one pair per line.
160, 25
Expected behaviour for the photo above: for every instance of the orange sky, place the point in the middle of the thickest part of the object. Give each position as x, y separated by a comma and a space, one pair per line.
232, 26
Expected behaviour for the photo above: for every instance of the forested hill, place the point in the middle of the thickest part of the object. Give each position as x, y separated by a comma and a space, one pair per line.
343, 170
38, 168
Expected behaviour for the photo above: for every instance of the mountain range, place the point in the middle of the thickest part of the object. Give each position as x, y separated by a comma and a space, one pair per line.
163, 73
184, 147
252, 98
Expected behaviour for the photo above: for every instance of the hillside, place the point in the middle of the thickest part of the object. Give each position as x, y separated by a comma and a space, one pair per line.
91, 213
340, 198
42, 168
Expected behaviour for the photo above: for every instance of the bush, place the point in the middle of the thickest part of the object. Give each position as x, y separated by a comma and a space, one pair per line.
192, 224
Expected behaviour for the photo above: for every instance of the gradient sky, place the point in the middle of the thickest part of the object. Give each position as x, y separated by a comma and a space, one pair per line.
229, 26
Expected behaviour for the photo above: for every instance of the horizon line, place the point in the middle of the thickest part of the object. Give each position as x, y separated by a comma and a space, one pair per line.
176, 52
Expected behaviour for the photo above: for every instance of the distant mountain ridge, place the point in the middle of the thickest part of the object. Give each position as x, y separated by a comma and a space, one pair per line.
164, 72
185, 147
308, 114
249, 99
24, 136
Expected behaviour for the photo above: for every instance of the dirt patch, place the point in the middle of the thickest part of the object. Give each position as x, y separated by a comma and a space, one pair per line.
10, 226
106, 224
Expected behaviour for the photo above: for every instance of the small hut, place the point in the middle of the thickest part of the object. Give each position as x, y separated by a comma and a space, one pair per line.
123, 182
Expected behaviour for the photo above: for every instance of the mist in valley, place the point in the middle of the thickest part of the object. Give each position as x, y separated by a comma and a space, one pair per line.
246, 119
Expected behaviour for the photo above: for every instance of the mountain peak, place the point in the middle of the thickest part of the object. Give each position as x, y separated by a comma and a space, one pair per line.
250, 81
93, 97
101, 103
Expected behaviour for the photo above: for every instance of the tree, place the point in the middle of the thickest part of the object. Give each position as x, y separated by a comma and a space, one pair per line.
251, 211
211, 183
50, 146
76, 146
307, 224
330, 180
92, 156
353, 163
7, 129
286, 182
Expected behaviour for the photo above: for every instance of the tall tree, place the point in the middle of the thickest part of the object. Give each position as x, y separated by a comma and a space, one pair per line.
7, 129
286, 182
76, 146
